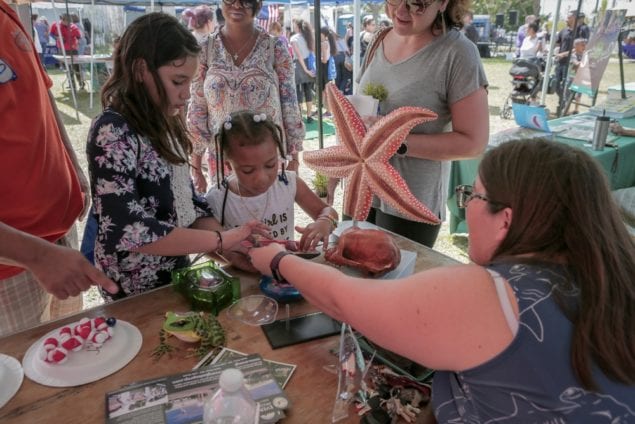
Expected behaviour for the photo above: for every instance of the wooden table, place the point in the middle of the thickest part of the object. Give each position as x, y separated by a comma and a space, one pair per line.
311, 389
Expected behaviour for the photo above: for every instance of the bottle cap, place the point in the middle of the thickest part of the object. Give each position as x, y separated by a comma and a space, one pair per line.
231, 380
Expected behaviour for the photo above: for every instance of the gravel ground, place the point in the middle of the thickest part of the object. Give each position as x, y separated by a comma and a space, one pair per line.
452, 245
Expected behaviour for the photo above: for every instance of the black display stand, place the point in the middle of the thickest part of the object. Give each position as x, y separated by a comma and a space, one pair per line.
300, 329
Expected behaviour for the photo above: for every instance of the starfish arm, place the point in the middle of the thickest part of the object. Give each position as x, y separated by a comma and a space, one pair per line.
349, 127
357, 196
387, 184
334, 161
386, 135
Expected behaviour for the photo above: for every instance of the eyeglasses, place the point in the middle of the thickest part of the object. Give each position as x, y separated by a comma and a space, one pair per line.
247, 4
414, 6
464, 195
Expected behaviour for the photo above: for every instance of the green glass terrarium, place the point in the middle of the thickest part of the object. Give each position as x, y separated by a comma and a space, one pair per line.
207, 286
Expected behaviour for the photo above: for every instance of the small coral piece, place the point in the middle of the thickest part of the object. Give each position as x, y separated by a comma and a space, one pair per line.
87, 333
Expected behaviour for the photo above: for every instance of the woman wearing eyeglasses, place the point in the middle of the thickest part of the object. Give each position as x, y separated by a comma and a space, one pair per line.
424, 60
540, 327
242, 67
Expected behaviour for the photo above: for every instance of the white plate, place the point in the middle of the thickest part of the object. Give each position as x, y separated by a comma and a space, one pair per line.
84, 366
11, 375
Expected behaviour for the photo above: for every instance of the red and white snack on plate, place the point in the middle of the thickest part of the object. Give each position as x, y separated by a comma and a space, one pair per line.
87, 333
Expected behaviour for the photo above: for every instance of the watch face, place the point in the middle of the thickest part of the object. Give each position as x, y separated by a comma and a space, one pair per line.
403, 149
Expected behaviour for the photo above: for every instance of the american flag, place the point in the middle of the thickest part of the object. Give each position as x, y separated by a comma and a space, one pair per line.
268, 14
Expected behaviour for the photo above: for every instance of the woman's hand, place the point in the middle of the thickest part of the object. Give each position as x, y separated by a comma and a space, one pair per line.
261, 257
240, 260
312, 234
293, 164
369, 120
616, 128
200, 183
233, 237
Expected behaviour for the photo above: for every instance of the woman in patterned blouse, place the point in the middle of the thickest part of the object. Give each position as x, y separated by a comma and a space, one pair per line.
149, 217
242, 67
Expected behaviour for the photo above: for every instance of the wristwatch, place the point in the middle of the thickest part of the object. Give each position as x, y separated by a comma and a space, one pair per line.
275, 263
403, 149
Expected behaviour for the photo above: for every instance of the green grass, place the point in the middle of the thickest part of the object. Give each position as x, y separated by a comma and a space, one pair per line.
497, 71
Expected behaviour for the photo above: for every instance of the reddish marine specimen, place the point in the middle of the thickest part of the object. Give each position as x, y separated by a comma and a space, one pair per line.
373, 252
363, 158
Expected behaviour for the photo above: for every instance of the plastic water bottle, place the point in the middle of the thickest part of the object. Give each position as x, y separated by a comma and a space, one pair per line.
232, 403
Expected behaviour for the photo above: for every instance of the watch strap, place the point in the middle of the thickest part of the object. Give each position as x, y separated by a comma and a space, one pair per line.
275, 264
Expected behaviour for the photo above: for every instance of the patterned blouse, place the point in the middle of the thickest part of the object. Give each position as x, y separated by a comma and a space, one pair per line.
264, 82
138, 198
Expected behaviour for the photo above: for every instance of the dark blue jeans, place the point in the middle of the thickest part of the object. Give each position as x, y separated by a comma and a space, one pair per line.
90, 235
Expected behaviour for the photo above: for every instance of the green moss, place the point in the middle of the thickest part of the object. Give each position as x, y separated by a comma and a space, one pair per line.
376, 91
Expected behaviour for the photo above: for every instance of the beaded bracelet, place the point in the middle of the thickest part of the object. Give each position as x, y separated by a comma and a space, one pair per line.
329, 220
219, 243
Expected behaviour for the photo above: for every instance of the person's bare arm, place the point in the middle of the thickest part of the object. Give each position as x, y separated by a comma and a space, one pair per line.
198, 177
620, 130
469, 135
83, 181
63, 272
201, 238
445, 318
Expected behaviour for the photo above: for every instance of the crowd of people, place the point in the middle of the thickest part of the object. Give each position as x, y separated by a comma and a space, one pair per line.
552, 260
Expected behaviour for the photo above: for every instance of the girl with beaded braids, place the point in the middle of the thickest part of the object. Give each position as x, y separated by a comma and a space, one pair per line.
251, 146
149, 219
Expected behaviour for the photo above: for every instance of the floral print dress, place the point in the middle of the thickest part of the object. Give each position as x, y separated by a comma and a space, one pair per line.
138, 197
263, 82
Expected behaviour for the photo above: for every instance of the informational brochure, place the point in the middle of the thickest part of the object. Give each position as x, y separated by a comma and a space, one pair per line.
281, 372
180, 398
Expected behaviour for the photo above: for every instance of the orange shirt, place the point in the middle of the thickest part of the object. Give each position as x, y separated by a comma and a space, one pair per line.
39, 189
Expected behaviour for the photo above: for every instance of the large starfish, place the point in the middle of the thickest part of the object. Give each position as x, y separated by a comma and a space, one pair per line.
362, 157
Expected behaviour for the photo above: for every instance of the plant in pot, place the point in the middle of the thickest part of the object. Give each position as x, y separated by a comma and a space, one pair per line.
376, 91
320, 183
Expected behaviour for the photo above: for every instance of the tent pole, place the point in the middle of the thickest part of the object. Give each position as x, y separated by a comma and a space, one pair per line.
69, 74
565, 82
318, 67
552, 43
92, 51
356, 43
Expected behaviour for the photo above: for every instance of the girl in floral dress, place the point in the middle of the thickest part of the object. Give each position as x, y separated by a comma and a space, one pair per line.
149, 217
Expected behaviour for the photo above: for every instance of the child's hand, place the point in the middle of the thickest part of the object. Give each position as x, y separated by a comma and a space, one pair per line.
233, 237
312, 234
240, 260
261, 257
255, 228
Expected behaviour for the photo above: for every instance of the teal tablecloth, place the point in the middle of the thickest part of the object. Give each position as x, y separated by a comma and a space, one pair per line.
619, 165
